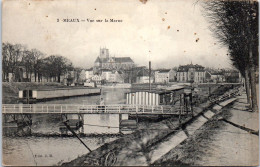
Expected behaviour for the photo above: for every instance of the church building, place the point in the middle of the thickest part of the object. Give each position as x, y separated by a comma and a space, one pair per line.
105, 61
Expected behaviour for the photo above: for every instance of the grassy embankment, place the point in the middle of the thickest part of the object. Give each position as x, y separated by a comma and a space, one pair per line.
192, 149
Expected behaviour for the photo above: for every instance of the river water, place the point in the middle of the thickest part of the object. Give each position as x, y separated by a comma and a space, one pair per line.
35, 150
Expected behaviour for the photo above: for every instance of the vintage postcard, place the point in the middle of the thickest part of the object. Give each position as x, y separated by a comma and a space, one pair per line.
130, 83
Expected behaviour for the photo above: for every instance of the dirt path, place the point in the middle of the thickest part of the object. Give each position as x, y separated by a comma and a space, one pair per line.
219, 143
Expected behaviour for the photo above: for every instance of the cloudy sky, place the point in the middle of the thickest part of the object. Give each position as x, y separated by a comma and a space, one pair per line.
163, 31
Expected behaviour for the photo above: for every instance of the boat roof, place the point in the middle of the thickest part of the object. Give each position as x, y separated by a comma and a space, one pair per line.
60, 88
171, 89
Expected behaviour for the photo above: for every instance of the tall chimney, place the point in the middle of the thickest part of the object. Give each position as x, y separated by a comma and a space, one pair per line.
150, 76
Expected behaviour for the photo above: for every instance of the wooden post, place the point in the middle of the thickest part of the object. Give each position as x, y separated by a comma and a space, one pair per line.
185, 103
129, 98
27, 96
136, 118
191, 105
82, 119
180, 103
120, 119
68, 127
180, 108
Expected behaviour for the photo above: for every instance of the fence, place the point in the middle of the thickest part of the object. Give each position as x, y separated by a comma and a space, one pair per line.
64, 108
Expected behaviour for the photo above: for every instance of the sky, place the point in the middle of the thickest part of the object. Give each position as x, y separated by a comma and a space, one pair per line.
164, 32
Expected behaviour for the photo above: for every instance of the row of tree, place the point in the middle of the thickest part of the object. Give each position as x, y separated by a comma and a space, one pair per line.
235, 25
20, 61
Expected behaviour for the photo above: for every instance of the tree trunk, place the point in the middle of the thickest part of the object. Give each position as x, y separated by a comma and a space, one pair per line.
3, 76
35, 76
39, 77
30, 76
27, 75
247, 85
253, 80
253, 89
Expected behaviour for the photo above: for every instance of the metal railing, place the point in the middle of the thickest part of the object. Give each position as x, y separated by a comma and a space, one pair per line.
225, 96
74, 108
113, 109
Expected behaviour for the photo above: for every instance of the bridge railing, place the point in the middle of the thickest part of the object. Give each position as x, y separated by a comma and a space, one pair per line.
64, 108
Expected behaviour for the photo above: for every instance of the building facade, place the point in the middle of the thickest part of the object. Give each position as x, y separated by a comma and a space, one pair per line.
89, 73
142, 76
105, 61
97, 79
217, 77
112, 76
164, 76
191, 73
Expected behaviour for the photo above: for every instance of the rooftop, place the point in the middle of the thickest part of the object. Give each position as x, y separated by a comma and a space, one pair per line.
114, 59
164, 71
185, 68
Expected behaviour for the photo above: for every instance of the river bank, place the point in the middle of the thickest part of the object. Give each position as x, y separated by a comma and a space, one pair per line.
138, 148
135, 144
129, 147
218, 143
10, 90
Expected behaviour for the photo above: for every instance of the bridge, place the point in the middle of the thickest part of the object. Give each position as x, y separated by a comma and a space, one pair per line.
176, 109
90, 109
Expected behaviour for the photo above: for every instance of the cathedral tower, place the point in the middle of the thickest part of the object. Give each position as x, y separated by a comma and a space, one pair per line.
104, 53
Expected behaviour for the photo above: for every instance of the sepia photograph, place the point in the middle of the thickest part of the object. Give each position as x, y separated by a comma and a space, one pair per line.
130, 83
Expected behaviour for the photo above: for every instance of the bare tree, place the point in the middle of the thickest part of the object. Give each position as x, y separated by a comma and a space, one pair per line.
11, 58
235, 24
55, 66
15, 57
37, 56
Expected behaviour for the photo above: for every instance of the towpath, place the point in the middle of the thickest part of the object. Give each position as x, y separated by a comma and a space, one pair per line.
225, 141
234, 146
